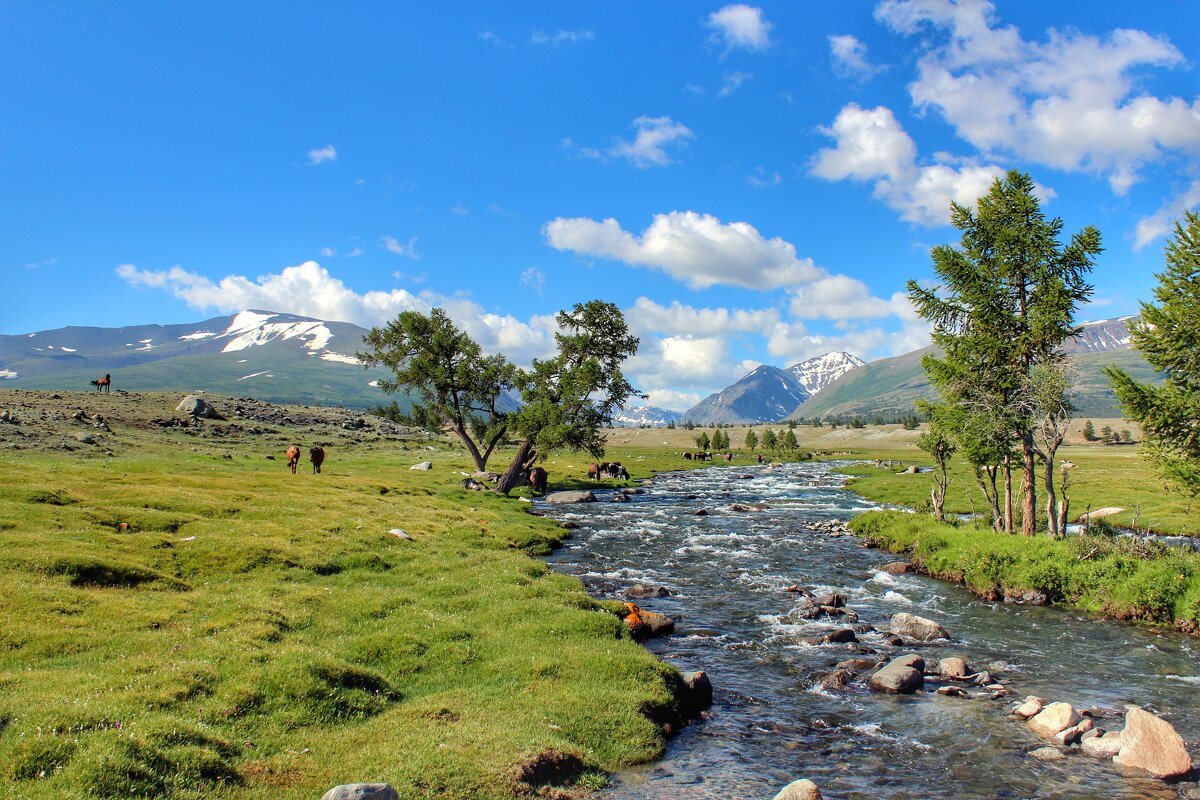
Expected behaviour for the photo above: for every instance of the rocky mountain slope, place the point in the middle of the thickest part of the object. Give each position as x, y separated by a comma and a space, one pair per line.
645, 416
769, 394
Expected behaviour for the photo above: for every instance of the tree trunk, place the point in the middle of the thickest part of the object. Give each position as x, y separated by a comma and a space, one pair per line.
1028, 485
990, 494
517, 472
472, 448
1008, 498
1051, 500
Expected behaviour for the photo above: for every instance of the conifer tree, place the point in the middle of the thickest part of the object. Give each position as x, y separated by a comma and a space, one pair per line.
1089, 431
1168, 336
789, 440
751, 440
769, 440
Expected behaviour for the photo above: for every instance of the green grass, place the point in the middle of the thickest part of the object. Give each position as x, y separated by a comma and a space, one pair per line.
1114, 576
257, 634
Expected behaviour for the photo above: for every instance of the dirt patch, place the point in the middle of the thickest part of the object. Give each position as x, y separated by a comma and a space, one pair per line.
551, 774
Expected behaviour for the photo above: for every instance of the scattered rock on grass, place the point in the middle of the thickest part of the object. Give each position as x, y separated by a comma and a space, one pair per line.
362, 791
424, 465
195, 406
400, 534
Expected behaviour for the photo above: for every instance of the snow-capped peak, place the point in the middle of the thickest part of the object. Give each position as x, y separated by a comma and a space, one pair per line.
250, 328
817, 373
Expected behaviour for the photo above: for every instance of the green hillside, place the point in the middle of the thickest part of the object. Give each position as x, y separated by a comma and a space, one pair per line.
890, 386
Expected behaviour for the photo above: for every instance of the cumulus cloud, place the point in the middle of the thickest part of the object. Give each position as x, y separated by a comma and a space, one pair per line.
870, 145
685, 363
328, 252
309, 290
321, 155
791, 342
841, 297
1162, 222
683, 320
697, 249
740, 26
1069, 102
672, 399
848, 56
649, 145
394, 245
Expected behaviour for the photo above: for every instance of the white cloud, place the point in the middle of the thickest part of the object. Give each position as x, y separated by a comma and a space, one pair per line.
570, 37
1069, 102
321, 155
328, 252
842, 297
654, 135
534, 280
490, 36
393, 245
672, 399
355, 252
848, 57
682, 320
697, 249
762, 180
733, 82
684, 363
1162, 222
870, 145
790, 343
740, 26
310, 290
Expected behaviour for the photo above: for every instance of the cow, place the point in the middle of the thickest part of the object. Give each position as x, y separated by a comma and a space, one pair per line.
293, 458
614, 469
621, 474
594, 472
316, 455
538, 478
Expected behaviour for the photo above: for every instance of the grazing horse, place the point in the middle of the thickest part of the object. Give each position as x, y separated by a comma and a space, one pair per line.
593, 472
103, 384
317, 456
538, 478
729, 456
621, 474
615, 469
293, 457
760, 458
688, 456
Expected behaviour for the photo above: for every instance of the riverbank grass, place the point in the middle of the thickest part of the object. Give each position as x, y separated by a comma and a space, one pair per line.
195, 622
1115, 576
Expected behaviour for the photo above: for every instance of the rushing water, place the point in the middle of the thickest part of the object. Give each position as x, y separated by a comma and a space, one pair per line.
771, 724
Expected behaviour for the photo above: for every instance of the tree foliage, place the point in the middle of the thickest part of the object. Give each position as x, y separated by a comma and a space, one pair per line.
751, 440
1005, 304
1168, 336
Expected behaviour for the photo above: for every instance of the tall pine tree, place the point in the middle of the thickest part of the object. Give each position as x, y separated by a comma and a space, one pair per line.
1168, 335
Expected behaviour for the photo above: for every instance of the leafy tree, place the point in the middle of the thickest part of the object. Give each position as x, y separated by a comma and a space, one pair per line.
769, 440
857, 424
570, 397
1168, 336
702, 441
1089, 431
938, 441
457, 385
789, 440
1048, 389
751, 440
1006, 304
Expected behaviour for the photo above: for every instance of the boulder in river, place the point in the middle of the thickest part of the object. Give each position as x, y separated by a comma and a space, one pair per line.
1030, 708
799, 790
840, 636
1053, 719
1048, 754
1103, 746
953, 667
696, 693
857, 664
362, 791
897, 568
562, 498
748, 507
899, 676
640, 591
919, 628
838, 679
1071, 735
1151, 745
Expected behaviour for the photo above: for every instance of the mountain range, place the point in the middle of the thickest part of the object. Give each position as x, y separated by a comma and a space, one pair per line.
769, 394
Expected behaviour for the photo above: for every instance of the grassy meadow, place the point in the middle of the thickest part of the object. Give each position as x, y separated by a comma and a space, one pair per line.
258, 634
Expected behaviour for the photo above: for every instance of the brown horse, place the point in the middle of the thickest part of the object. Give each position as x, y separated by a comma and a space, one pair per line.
293, 457
103, 384
594, 472
317, 456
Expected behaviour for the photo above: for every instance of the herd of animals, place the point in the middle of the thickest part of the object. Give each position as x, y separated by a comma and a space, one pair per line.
701, 456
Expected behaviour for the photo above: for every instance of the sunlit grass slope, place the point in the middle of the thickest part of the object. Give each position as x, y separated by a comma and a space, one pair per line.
257, 634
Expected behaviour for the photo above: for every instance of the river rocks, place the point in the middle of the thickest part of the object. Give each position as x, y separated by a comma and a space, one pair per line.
1103, 746
619, 498
1030, 708
799, 790
1151, 745
1071, 735
423, 466
748, 507
700, 512
953, 691
696, 692
633, 490
645, 624
562, 498
1054, 718
1047, 754
842, 636
856, 664
640, 591
899, 676
362, 791
897, 568
1032, 597
919, 628
953, 667
838, 679
833, 600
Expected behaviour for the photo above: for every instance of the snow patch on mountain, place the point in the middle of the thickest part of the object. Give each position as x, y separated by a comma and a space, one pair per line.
252, 328
817, 373
648, 416
7, 375
1102, 335
330, 356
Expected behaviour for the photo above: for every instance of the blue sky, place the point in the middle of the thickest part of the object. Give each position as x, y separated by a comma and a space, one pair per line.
750, 183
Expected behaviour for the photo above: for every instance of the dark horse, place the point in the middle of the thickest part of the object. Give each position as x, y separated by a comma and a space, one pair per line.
103, 384
317, 456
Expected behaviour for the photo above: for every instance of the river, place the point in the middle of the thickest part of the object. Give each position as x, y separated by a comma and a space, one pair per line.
771, 723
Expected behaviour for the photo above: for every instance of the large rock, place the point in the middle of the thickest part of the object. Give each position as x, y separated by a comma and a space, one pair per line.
195, 406
1104, 746
362, 791
1054, 718
953, 667
799, 790
1151, 745
423, 466
897, 568
1030, 708
563, 498
919, 628
899, 676
696, 693
657, 624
